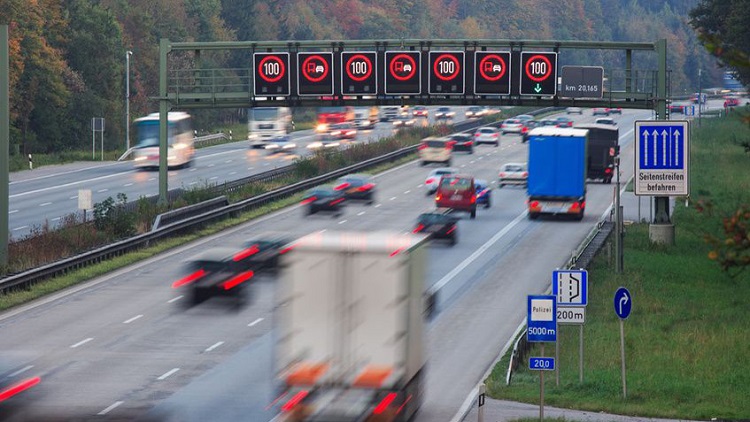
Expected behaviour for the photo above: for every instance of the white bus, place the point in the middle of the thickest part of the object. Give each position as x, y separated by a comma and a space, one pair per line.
265, 124
180, 148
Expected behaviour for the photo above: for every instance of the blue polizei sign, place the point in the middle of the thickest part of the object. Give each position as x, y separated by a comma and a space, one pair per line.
570, 287
662, 157
541, 319
541, 364
623, 303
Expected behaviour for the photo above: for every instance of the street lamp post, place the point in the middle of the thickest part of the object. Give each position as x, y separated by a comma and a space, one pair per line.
127, 99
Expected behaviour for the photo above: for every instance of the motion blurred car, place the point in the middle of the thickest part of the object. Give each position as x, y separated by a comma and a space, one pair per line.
525, 117
484, 193
324, 198
403, 121
546, 122
563, 121
216, 272
262, 252
461, 142
457, 192
444, 113
615, 110
676, 109
433, 179
281, 144
435, 150
438, 225
512, 126
731, 102
574, 110
324, 141
17, 383
487, 135
358, 187
606, 121
343, 131
475, 112
420, 111
513, 174
600, 111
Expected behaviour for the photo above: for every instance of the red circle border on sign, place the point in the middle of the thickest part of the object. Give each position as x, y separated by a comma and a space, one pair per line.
281, 65
310, 78
493, 78
539, 79
369, 67
407, 77
452, 58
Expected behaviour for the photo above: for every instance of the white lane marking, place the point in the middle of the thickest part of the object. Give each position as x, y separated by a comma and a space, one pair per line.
73, 197
175, 299
132, 319
193, 183
228, 161
466, 262
21, 228
151, 179
20, 371
214, 178
361, 213
55, 219
193, 169
255, 322
232, 173
12, 211
250, 168
44, 204
472, 162
102, 190
82, 342
480, 158
63, 186
392, 198
165, 376
110, 408
407, 192
127, 184
342, 221
217, 344
211, 165
463, 165
378, 205
419, 185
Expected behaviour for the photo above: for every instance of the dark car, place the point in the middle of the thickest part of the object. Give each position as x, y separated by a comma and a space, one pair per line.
262, 252
216, 272
324, 198
356, 187
563, 121
438, 225
462, 142
484, 193
18, 385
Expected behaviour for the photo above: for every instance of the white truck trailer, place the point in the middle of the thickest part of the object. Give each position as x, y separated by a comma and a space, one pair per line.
350, 327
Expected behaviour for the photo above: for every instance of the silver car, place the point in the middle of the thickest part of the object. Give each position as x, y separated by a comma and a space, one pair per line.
487, 135
513, 174
512, 126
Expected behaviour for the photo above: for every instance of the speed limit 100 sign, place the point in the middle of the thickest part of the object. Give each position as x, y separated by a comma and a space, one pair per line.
538, 73
271, 75
359, 76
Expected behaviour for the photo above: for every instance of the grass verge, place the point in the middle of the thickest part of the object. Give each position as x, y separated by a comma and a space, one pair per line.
686, 340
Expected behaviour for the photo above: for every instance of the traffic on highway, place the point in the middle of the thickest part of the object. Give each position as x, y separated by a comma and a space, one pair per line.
193, 334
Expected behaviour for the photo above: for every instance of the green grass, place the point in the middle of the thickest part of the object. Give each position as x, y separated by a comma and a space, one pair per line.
688, 337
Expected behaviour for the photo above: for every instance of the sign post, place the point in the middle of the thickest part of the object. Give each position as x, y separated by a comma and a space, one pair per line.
623, 304
570, 288
541, 327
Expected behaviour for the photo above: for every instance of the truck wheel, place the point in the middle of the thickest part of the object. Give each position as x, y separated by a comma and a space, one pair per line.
473, 214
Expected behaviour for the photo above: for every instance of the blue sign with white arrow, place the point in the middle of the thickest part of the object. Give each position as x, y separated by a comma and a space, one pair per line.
623, 303
662, 157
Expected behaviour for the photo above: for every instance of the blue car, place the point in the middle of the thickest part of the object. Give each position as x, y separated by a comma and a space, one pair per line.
484, 193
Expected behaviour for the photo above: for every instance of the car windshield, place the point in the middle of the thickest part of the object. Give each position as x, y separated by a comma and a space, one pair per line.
512, 121
458, 183
486, 130
514, 167
461, 137
444, 109
442, 172
435, 144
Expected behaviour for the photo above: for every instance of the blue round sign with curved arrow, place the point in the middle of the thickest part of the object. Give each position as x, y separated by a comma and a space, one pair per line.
623, 302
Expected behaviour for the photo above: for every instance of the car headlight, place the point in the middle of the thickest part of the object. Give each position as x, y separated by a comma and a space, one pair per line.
179, 146
314, 145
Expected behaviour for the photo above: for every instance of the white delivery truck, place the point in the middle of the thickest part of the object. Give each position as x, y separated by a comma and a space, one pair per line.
350, 327
366, 117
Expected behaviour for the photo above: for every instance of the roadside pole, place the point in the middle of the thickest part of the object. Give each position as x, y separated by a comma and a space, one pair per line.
570, 289
623, 303
541, 323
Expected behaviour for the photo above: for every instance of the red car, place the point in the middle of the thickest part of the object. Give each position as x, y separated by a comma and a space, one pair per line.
731, 102
457, 192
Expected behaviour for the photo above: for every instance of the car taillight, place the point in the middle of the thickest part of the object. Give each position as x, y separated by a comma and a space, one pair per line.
449, 145
452, 229
429, 181
337, 201
473, 199
384, 404
502, 174
477, 134
494, 135
534, 204
237, 280
18, 388
607, 171
308, 200
526, 174
189, 279
418, 229
422, 146
294, 401
524, 129
469, 143
366, 187
438, 197
239, 256
342, 186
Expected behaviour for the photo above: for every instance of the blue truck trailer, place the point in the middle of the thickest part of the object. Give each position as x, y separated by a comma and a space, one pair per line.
557, 172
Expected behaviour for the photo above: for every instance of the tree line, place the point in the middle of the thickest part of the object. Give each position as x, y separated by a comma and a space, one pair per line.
68, 65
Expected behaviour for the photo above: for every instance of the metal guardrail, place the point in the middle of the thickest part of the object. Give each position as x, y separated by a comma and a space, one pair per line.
189, 211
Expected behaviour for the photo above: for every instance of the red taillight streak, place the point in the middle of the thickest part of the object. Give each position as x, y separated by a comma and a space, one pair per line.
189, 279
451, 230
287, 249
494, 135
383, 405
396, 252
245, 253
17, 388
438, 197
341, 186
473, 199
429, 181
278, 399
400, 408
418, 228
422, 146
477, 134
238, 279
470, 143
366, 187
308, 200
295, 400
607, 171
336, 201
534, 204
